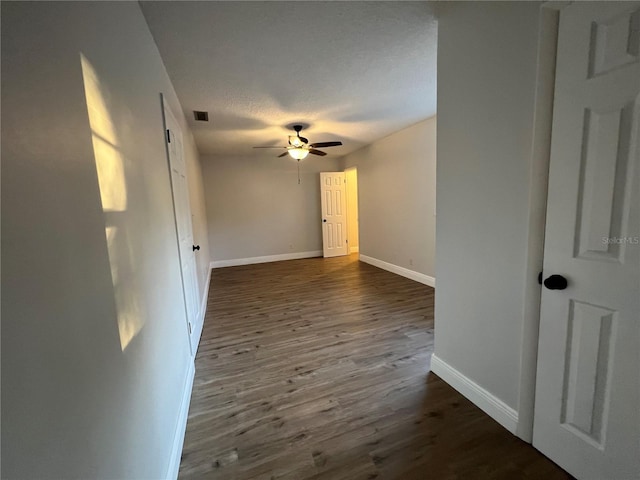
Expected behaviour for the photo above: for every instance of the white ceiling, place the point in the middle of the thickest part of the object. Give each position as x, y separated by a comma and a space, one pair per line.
352, 71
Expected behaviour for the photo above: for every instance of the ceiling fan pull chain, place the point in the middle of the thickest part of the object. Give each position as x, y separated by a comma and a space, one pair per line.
298, 172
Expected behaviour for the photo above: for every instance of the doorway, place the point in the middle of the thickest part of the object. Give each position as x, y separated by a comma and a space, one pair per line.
353, 228
334, 214
587, 388
184, 231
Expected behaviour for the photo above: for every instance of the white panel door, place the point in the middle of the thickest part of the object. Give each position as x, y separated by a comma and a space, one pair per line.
182, 211
587, 410
334, 214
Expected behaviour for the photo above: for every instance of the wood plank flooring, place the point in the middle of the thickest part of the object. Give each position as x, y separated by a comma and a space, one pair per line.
319, 369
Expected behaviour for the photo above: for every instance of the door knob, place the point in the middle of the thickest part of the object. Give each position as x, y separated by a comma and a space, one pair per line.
196, 247
556, 282
324, 220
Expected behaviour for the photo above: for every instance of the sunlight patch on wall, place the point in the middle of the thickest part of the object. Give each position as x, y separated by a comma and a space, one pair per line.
129, 314
110, 168
109, 163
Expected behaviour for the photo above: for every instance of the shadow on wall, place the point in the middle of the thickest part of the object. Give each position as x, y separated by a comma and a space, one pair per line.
110, 168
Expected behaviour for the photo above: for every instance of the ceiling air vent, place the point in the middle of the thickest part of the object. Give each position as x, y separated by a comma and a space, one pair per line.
201, 116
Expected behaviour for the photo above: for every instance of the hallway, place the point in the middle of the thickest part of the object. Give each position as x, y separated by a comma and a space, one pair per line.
319, 368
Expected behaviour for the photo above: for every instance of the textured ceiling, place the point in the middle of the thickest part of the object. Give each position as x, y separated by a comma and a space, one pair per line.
351, 71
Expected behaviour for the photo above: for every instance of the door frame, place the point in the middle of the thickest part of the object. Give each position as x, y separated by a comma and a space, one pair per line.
540, 154
349, 219
536, 215
324, 224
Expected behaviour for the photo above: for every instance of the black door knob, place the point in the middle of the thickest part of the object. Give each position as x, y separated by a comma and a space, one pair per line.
324, 220
196, 247
556, 282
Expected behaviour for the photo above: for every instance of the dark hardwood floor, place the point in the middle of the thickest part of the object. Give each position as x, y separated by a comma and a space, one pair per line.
319, 368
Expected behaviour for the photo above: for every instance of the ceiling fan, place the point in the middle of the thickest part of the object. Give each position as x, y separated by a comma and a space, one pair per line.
299, 146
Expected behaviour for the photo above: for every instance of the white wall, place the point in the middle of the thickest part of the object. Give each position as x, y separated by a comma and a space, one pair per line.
486, 89
95, 352
396, 188
255, 206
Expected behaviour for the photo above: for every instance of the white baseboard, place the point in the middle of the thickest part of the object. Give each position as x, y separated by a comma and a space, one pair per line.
404, 272
266, 259
489, 403
354, 249
181, 427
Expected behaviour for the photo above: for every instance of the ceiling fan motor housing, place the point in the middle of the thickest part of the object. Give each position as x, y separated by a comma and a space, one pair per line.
298, 141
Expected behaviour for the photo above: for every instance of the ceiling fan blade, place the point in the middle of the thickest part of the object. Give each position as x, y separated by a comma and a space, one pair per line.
269, 147
317, 152
325, 144
283, 155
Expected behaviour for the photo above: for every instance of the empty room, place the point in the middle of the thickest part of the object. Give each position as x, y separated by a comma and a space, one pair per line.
320, 240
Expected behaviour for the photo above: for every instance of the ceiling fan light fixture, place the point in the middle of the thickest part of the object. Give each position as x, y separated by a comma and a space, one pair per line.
298, 153
299, 147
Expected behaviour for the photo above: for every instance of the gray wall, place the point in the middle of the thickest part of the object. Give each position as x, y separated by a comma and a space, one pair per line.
94, 345
255, 206
397, 195
486, 86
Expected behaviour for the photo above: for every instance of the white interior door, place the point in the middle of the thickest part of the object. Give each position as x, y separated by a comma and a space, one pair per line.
334, 214
182, 211
587, 407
